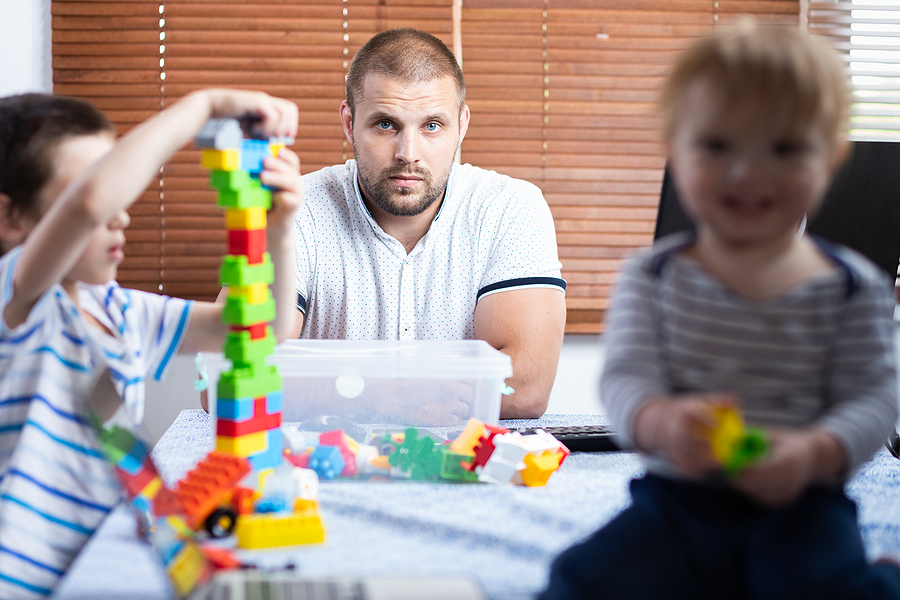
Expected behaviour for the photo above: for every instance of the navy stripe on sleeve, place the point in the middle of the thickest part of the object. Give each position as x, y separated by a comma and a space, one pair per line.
522, 282
301, 303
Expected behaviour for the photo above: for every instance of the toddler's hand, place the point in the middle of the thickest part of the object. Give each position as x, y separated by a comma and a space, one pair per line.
282, 173
275, 117
680, 428
787, 470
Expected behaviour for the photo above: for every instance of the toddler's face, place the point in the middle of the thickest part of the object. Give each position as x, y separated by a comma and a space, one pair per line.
100, 260
745, 174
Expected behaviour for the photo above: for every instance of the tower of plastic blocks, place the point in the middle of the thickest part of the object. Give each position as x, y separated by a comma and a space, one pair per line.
249, 400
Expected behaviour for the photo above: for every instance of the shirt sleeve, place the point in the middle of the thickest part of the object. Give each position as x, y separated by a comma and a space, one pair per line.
633, 370
524, 252
862, 391
162, 322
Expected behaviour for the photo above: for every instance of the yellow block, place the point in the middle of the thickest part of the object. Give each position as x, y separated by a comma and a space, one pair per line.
151, 489
244, 445
273, 530
186, 568
538, 469
221, 160
466, 441
728, 432
275, 148
245, 219
256, 293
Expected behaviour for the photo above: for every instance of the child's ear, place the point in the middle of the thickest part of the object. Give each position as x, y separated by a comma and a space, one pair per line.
13, 227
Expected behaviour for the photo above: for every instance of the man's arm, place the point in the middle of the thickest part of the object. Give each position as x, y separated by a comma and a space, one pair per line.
528, 325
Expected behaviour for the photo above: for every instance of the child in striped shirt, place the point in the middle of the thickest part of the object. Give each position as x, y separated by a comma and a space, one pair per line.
794, 332
65, 186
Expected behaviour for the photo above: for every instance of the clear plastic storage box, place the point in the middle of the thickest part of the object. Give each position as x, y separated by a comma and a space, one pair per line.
423, 383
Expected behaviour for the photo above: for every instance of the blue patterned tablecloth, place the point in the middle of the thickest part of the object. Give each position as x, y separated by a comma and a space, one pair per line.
506, 536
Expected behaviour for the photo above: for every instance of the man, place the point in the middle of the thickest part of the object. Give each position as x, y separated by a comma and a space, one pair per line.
401, 243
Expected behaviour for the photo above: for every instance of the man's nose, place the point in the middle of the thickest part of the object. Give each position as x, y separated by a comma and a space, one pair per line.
407, 148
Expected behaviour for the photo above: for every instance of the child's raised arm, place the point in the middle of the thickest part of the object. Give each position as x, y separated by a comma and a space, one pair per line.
96, 197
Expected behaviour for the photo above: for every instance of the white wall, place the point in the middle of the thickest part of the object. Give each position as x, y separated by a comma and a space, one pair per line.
25, 46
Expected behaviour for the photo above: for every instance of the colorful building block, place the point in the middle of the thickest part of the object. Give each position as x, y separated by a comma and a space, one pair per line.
221, 160
254, 196
243, 351
207, 485
326, 461
245, 218
248, 242
275, 530
539, 468
259, 422
231, 180
252, 382
337, 438
187, 568
244, 446
274, 453
236, 270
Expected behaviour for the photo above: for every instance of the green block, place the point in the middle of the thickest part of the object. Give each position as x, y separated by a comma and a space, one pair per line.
451, 469
117, 442
248, 382
231, 180
236, 270
251, 197
749, 450
418, 456
238, 311
243, 351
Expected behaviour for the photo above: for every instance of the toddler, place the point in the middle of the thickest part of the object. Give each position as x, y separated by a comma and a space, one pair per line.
793, 331
67, 328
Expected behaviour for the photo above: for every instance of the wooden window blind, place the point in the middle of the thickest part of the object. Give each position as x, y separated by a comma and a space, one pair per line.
562, 94
867, 36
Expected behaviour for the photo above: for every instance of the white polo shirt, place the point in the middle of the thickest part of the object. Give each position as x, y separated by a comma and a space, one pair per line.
493, 233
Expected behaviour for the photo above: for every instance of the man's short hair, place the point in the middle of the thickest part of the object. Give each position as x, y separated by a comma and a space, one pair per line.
32, 127
754, 65
407, 55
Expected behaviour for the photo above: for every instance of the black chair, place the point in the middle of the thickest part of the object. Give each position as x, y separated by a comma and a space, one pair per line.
861, 211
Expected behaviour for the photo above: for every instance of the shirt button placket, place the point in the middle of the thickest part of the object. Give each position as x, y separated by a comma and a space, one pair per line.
406, 326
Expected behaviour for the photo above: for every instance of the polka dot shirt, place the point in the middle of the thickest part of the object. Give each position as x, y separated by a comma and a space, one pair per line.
493, 233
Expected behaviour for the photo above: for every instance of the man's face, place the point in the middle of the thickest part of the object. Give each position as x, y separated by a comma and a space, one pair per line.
405, 136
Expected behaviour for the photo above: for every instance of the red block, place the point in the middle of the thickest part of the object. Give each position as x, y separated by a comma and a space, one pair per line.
249, 242
257, 330
336, 438
135, 483
259, 422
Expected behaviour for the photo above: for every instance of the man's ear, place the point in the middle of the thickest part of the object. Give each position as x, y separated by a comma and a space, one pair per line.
347, 121
464, 116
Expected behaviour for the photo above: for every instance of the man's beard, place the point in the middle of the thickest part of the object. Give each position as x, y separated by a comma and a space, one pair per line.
388, 196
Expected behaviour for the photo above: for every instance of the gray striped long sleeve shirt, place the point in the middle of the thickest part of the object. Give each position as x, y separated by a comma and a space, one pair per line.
822, 352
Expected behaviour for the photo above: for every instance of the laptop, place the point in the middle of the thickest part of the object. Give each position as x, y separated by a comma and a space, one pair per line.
290, 585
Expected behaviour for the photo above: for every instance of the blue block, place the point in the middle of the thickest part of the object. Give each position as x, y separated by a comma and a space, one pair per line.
141, 503
326, 461
253, 152
272, 456
130, 464
274, 402
235, 410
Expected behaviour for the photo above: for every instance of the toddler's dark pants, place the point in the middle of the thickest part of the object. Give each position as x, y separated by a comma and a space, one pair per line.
681, 540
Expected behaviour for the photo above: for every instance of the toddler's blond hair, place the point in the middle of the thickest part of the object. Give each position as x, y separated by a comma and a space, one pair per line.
758, 66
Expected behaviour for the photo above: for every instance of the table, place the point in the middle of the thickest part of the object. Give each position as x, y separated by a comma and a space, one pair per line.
506, 536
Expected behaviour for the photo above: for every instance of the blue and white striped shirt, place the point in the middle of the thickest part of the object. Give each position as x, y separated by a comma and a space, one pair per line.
822, 352
55, 485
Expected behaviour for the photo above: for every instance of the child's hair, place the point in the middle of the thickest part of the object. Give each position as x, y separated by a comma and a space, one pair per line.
753, 65
32, 126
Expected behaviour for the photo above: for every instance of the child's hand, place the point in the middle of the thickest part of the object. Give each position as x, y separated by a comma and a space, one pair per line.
796, 459
275, 117
282, 173
680, 430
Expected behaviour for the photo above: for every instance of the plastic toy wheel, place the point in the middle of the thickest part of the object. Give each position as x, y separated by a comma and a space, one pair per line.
221, 522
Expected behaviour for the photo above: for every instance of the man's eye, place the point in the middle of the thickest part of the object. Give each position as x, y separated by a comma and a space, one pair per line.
384, 125
432, 127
